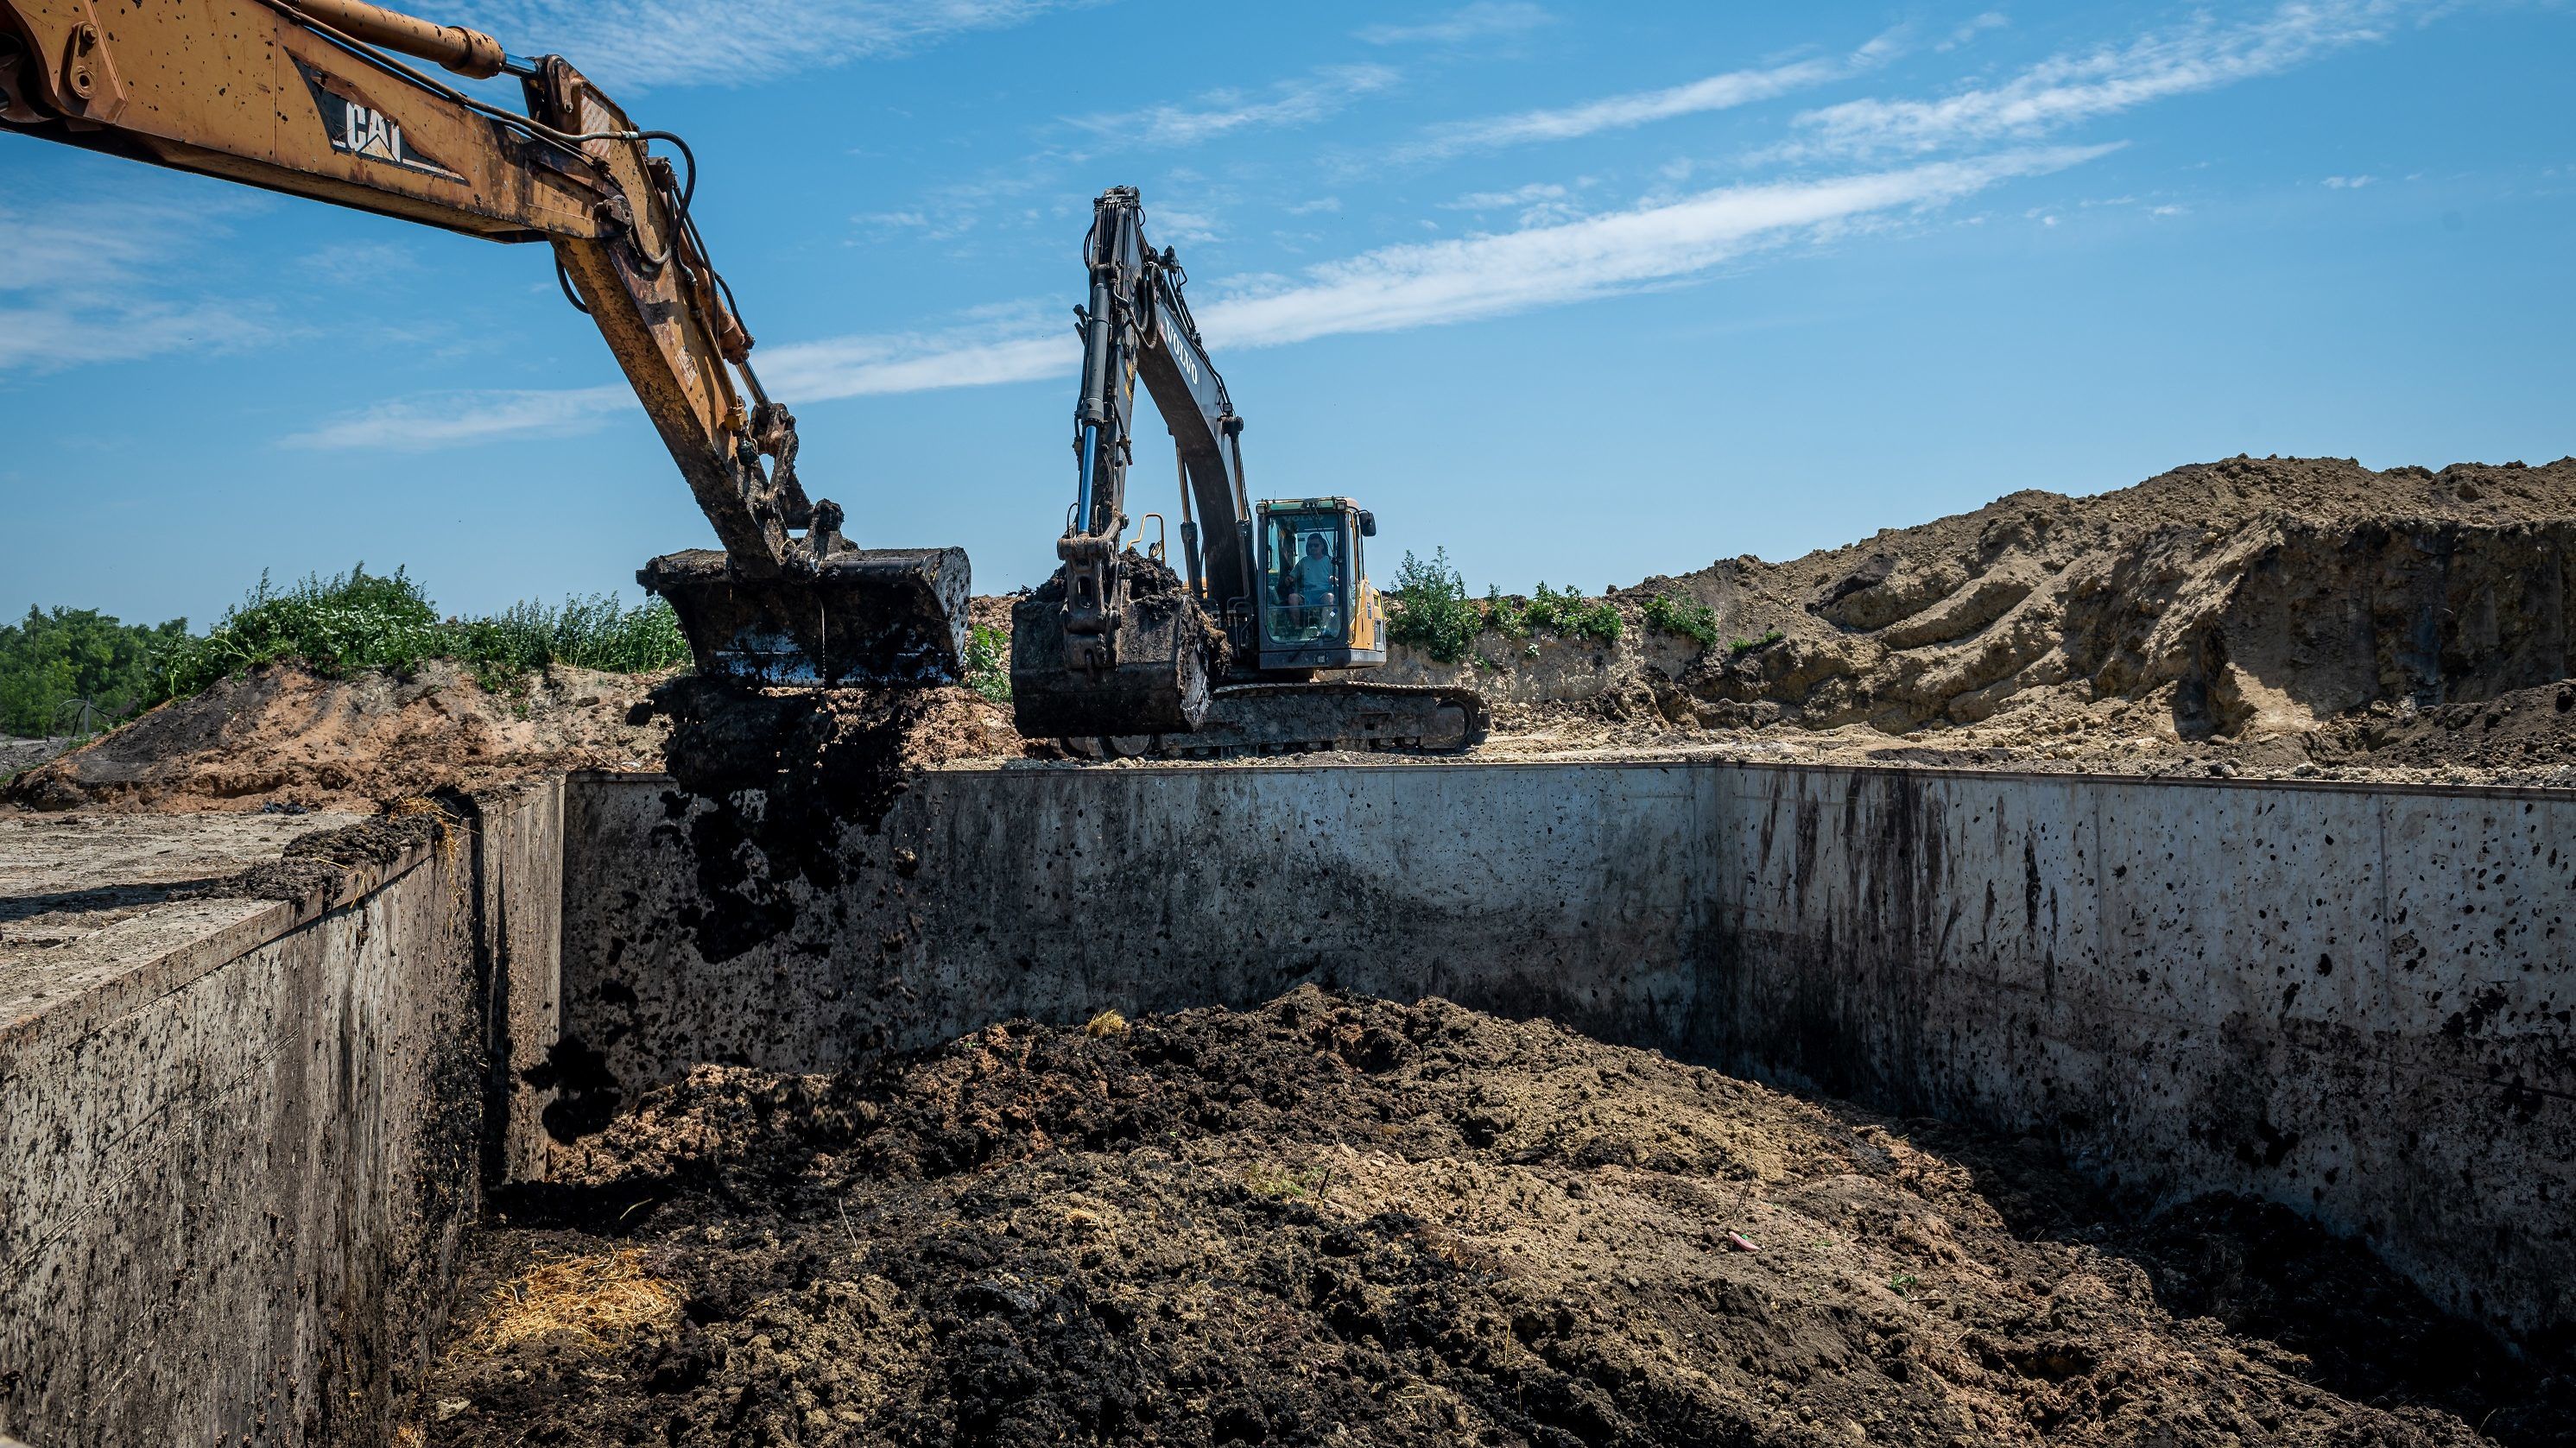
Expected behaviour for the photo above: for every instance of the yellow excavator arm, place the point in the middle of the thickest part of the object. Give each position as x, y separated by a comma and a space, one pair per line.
312, 98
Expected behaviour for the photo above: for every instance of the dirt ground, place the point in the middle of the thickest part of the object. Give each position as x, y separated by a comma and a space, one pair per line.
2249, 615
2277, 617
283, 738
1343, 1220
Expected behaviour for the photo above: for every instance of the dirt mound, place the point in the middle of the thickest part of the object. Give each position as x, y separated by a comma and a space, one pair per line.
2239, 601
282, 737
1343, 1220
2237, 598
2523, 736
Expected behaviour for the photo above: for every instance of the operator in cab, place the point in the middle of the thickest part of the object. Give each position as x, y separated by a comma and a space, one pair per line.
1316, 577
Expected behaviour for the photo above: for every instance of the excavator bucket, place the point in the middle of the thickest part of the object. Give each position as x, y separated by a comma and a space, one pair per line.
1158, 684
865, 617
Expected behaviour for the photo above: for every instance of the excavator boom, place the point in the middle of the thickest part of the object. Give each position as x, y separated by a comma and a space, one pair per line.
1119, 653
311, 97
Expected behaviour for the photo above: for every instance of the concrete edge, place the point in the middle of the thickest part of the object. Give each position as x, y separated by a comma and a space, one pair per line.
176, 968
2531, 792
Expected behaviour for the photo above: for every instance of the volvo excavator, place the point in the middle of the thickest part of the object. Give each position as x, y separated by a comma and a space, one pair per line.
312, 97
1255, 645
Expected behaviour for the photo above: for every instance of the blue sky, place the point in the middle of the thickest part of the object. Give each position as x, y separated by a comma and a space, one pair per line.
1579, 293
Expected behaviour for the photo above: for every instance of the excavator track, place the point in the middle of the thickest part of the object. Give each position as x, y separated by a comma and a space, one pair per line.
1306, 718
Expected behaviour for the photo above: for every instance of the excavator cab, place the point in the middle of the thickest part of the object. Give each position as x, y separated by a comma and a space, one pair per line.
1317, 608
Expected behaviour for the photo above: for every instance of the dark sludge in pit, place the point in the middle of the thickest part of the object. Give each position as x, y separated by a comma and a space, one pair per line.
1336, 1219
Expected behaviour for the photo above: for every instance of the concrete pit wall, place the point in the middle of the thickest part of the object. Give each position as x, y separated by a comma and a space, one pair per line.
2353, 1000
242, 1140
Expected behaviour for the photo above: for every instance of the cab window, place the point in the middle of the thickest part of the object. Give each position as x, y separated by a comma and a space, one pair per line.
1306, 579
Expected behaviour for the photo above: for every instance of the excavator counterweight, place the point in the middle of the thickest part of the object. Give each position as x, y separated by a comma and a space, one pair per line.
310, 97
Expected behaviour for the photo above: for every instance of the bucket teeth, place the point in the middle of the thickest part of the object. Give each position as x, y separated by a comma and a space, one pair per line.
864, 617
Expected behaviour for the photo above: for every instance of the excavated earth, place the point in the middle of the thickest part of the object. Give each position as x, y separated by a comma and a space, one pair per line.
284, 739
2291, 616
2249, 615
1343, 1220
2245, 597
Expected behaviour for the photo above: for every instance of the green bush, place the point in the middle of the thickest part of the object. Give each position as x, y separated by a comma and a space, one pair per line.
596, 632
1746, 646
355, 621
1428, 608
1683, 615
1566, 611
358, 620
72, 670
988, 662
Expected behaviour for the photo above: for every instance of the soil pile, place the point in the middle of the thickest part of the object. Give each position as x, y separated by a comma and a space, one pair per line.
1340, 1220
2521, 736
2235, 602
2247, 596
283, 737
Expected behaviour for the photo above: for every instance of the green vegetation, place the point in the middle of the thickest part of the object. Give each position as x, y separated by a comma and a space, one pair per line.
1746, 646
1683, 615
988, 662
358, 620
1559, 611
1428, 608
76, 670
596, 632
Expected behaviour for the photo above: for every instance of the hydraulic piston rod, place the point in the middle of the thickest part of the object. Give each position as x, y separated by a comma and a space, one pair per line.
466, 52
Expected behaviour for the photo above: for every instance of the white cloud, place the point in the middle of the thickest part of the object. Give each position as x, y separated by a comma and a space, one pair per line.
1974, 27
1468, 22
1636, 108
45, 338
2349, 183
1537, 204
729, 42
874, 366
459, 418
2067, 89
1185, 227
89, 280
1394, 288
1502, 200
1319, 204
1296, 102
1439, 282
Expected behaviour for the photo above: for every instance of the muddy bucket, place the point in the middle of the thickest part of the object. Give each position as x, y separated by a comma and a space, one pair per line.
1159, 684
866, 616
